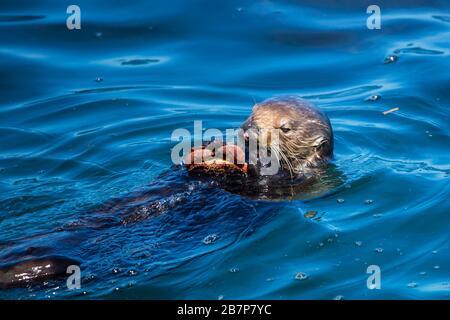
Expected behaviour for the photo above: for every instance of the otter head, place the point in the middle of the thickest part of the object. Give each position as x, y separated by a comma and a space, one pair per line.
305, 136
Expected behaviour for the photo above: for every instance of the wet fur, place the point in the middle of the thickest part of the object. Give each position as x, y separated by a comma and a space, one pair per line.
306, 135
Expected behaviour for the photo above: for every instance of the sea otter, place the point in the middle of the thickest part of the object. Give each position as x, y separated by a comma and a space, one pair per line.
295, 133
304, 150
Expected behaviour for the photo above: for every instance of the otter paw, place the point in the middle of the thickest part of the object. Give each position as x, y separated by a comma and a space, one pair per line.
222, 161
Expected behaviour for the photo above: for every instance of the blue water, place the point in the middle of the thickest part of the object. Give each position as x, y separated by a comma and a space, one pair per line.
86, 116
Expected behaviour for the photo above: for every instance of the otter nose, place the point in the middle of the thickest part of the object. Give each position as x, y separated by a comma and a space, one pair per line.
246, 136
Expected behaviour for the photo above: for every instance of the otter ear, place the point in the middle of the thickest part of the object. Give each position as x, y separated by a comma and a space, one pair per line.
323, 147
255, 107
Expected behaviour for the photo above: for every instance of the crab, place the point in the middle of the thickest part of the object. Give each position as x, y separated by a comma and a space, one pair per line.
203, 161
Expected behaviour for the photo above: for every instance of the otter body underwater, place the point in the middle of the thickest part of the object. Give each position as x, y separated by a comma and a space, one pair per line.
304, 151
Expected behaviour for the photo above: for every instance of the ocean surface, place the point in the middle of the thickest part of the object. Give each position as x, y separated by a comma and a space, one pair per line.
86, 117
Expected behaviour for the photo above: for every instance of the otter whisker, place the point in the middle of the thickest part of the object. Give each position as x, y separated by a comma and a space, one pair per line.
285, 159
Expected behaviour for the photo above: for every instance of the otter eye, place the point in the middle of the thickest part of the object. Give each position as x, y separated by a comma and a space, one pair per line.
285, 130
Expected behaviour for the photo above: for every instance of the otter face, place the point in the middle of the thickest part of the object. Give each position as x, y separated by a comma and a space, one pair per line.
305, 137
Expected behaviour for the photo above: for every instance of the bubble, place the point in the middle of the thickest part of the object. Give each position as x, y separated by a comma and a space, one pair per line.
301, 276
132, 272
390, 59
368, 201
379, 250
340, 200
310, 214
98, 34
436, 267
374, 97
338, 297
358, 243
115, 270
423, 273
210, 239
98, 79
434, 251
412, 285
89, 277
220, 297
234, 270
